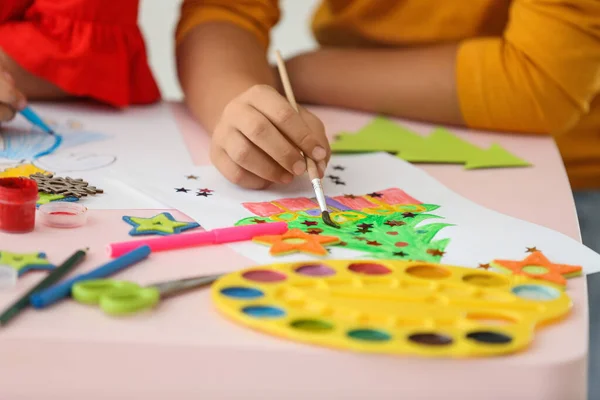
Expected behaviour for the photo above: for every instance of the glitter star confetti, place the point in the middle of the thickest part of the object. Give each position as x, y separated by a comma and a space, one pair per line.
160, 224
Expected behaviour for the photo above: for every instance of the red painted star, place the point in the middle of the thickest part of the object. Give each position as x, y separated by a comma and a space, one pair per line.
436, 252
395, 223
309, 223
373, 243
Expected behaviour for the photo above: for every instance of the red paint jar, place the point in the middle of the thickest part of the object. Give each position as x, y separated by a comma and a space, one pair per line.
17, 204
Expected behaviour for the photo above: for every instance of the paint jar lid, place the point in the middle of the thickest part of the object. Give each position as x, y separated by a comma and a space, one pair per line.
18, 190
63, 214
8, 277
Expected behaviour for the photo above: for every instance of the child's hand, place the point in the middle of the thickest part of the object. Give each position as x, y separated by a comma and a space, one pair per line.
259, 138
11, 99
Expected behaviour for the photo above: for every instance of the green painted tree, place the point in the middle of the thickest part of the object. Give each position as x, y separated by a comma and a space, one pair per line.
393, 235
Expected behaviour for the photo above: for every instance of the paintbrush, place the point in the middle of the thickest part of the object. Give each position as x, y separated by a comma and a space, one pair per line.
311, 166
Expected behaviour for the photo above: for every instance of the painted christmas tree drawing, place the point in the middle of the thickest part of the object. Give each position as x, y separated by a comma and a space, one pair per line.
386, 224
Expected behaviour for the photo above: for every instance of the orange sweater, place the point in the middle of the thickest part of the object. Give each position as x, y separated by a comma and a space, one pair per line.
530, 66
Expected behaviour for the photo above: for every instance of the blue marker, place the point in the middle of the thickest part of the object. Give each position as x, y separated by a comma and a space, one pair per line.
58, 292
35, 119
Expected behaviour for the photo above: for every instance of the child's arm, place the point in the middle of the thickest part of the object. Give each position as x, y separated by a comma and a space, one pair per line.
228, 84
30, 86
11, 99
540, 77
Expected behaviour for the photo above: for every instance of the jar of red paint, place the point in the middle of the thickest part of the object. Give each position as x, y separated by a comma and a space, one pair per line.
17, 204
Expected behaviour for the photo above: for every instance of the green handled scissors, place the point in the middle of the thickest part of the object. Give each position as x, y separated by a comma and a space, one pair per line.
121, 297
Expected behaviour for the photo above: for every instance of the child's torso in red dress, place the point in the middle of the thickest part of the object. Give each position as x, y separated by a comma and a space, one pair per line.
88, 48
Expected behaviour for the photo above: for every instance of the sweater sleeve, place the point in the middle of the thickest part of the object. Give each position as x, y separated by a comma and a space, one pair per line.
256, 16
541, 76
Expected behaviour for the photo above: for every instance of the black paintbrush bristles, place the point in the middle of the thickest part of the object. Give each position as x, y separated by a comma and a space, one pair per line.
328, 221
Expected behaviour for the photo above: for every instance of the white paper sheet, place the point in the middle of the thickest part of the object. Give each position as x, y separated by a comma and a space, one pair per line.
98, 139
479, 236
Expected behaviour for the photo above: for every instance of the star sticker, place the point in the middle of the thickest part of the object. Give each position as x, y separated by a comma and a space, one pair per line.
204, 194
484, 266
24, 262
408, 215
375, 194
161, 224
373, 243
333, 177
364, 226
338, 182
531, 250
537, 266
395, 223
194, 177
363, 230
295, 240
314, 231
436, 252
400, 254
362, 239
205, 190
259, 221
342, 244
309, 223
349, 196
338, 168
181, 189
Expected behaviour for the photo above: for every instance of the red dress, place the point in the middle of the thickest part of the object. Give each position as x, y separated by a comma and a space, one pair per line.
88, 48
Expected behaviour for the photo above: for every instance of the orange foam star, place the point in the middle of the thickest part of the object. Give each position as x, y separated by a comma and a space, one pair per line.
551, 272
296, 240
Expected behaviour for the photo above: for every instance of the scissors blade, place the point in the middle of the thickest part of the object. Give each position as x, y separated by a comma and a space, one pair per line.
171, 288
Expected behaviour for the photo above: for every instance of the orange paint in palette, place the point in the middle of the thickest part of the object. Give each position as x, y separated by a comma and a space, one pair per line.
391, 307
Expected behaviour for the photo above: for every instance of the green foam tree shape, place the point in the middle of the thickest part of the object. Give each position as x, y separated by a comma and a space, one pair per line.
396, 235
441, 146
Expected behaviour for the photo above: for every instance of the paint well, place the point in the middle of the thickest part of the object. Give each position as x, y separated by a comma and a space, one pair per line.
428, 272
489, 337
369, 335
264, 275
239, 292
536, 292
485, 280
315, 270
430, 339
312, 325
263, 312
369, 268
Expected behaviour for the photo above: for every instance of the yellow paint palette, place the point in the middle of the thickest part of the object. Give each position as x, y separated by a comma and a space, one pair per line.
393, 307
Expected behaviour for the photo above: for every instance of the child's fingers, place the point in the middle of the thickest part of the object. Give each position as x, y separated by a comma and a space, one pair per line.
318, 128
9, 95
251, 158
260, 131
234, 173
6, 113
281, 113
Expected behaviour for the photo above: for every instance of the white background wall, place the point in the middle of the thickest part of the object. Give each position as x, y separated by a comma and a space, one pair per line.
158, 19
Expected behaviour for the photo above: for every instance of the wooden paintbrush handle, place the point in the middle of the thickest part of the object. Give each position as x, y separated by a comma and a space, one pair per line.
311, 166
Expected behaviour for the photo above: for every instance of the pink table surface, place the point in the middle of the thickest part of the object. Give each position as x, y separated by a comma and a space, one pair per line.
185, 350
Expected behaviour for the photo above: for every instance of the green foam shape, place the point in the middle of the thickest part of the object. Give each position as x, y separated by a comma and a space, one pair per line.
380, 134
495, 157
441, 146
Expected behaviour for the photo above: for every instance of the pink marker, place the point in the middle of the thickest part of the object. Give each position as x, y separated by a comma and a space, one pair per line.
216, 236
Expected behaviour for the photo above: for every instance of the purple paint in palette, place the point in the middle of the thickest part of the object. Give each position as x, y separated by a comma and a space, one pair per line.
315, 270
